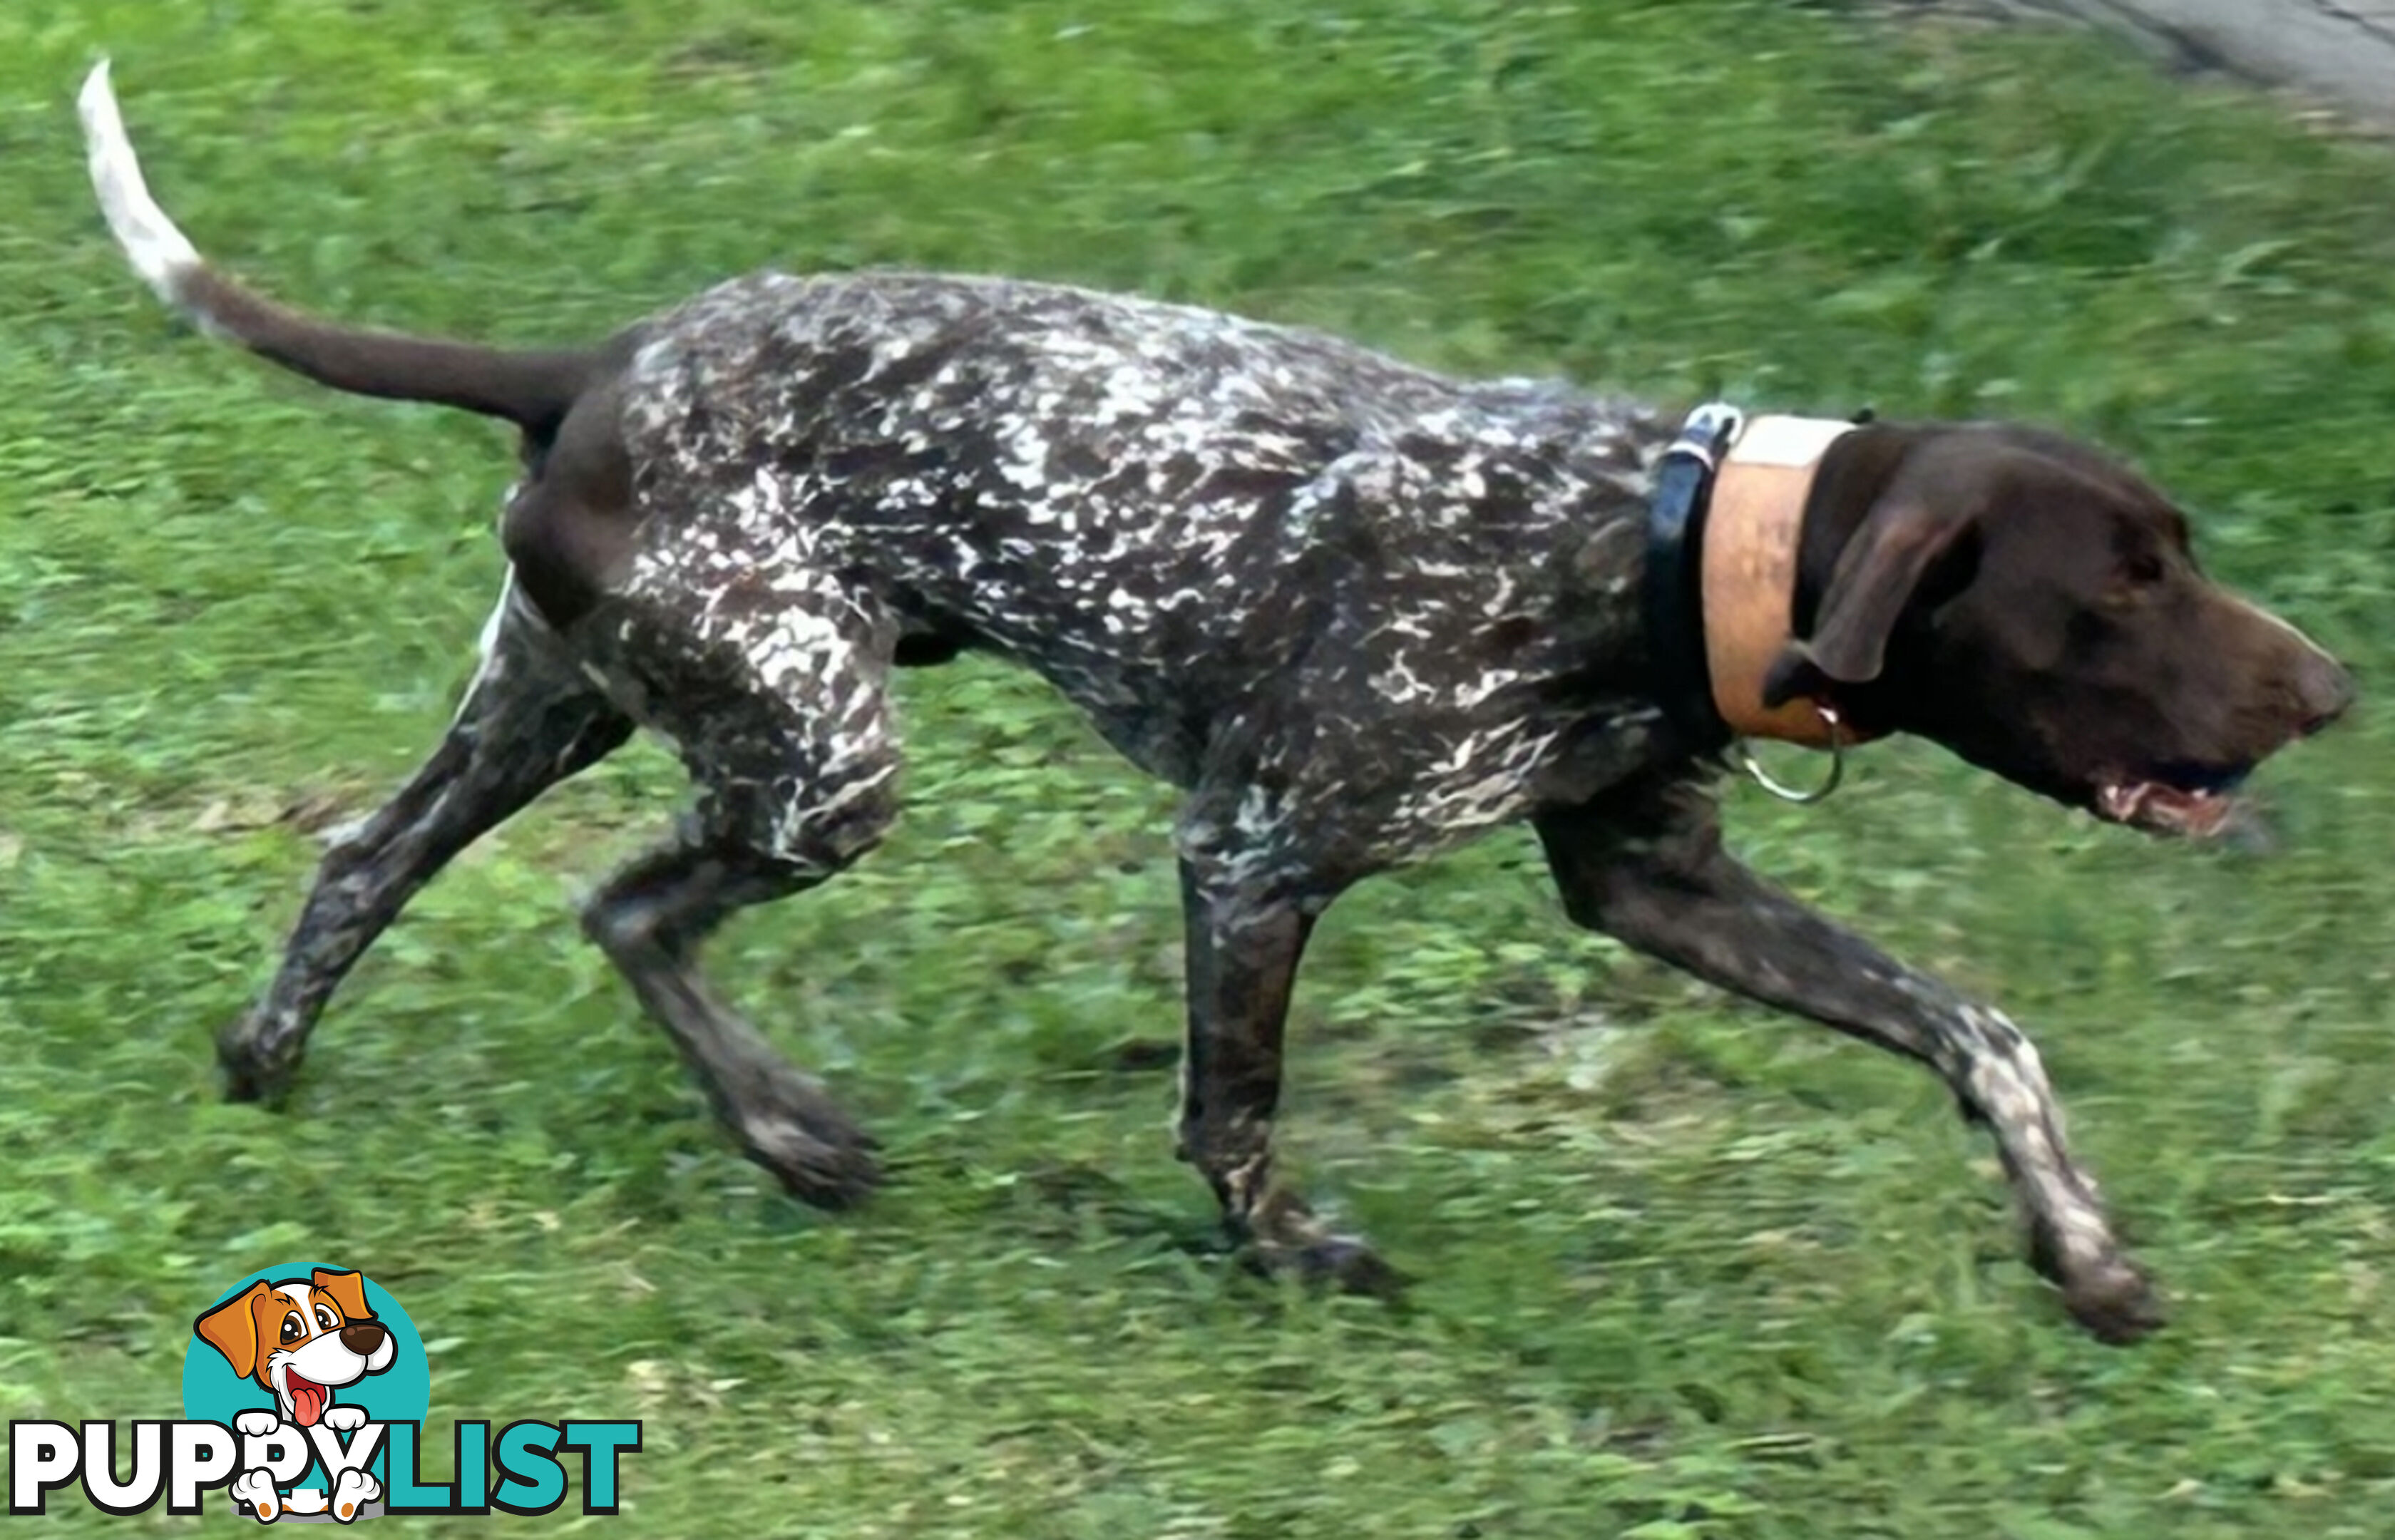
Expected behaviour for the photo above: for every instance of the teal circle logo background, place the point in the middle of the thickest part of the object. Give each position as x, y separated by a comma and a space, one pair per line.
215, 1391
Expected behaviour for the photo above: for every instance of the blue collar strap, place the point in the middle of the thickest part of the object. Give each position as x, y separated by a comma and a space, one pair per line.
1674, 587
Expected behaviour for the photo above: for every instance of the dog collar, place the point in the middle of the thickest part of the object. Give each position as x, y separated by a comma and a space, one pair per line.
1748, 565
1722, 537
1675, 579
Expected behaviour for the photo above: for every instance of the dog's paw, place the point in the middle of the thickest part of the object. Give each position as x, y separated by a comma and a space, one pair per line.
352, 1493
819, 1154
251, 1072
1290, 1242
255, 1424
2114, 1301
1344, 1263
1280, 1235
344, 1419
257, 1489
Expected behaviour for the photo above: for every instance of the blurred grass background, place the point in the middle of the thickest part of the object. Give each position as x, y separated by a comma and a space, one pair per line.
1688, 1270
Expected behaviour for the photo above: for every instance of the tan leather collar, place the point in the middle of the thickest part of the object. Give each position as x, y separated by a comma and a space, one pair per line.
1749, 572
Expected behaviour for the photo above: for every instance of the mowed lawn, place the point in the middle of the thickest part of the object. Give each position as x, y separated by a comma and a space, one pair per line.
1687, 1269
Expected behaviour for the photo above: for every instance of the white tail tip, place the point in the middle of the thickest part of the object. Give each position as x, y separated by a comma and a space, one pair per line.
159, 252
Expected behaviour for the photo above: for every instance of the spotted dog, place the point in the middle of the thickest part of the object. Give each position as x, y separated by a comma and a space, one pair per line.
1356, 612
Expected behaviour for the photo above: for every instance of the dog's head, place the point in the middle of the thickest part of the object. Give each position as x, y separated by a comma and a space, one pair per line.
2036, 608
300, 1340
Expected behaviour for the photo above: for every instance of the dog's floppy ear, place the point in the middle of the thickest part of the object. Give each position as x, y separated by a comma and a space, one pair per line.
232, 1329
348, 1291
1875, 577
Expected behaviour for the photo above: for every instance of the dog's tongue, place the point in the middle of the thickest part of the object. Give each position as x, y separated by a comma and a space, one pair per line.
308, 1400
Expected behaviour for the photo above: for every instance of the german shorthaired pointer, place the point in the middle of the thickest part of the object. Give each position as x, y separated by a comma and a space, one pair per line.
1358, 612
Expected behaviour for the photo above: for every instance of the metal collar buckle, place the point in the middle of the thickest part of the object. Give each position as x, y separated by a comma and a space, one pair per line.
1742, 751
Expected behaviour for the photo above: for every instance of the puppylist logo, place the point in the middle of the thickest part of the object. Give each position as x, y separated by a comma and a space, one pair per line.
305, 1389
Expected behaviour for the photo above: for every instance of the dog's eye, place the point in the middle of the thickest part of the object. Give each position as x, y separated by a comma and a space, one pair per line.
293, 1327
2134, 576
325, 1319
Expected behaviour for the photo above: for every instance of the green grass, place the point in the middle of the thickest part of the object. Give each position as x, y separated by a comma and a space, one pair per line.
1688, 1270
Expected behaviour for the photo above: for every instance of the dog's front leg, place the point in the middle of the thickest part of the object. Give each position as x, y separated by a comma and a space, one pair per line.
1243, 948
1647, 867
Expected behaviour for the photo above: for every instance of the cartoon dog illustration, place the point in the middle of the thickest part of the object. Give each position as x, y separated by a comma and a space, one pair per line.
301, 1340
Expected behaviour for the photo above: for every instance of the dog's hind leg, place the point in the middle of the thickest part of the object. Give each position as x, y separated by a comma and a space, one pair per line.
529, 720
773, 687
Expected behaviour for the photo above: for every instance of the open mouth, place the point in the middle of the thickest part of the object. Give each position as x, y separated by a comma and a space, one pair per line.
2187, 801
308, 1398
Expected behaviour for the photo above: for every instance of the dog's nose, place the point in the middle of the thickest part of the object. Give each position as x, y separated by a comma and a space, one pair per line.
362, 1337
2325, 686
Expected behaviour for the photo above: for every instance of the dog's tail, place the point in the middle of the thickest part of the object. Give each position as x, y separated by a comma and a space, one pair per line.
532, 389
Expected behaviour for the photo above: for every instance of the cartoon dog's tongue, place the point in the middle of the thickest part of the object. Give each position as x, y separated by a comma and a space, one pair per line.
308, 1398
